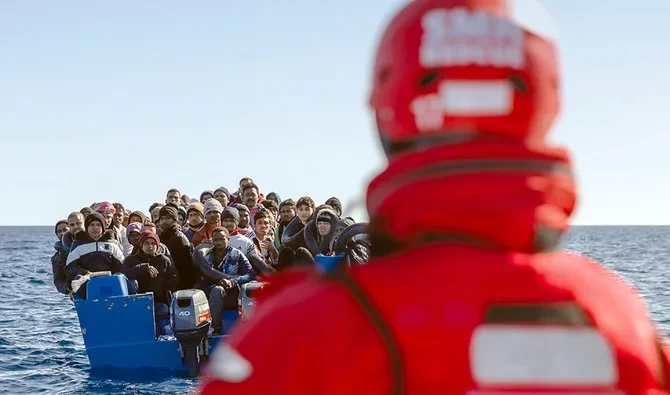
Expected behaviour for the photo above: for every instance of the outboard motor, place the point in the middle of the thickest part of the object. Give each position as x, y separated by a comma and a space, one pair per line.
191, 320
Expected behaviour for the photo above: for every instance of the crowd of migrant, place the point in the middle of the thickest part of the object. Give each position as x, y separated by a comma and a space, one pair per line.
215, 244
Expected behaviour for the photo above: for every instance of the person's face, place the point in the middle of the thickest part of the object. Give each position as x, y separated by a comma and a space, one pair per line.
244, 218
109, 217
61, 229
323, 228
149, 247
75, 223
117, 218
166, 222
250, 197
229, 224
185, 199
173, 197
304, 213
134, 238
220, 240
155, 216
213, 217
286, 214
95, 230
221, 197
205, 198
134, 218
194, 218
262, 227
180, 217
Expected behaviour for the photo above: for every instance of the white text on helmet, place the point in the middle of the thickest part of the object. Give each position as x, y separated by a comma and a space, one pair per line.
459, 38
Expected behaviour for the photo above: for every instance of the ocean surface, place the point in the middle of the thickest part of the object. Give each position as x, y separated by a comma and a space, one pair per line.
42, 351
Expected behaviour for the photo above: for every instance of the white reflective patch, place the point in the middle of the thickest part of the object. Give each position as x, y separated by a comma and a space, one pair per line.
541, 356
459, 37
488, 98
228, 365
532, 16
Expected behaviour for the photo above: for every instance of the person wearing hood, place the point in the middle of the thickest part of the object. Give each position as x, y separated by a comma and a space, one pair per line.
222, 195
319, 231
275, 197
59, 258
335, 204
205, 196
178, 245
181, 217
153, 271
137, 217
213, 210
244, 224
195, 219
94, 250
134, 234
155, 217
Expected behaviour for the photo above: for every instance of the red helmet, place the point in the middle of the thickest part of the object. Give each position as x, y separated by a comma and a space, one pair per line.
454, 69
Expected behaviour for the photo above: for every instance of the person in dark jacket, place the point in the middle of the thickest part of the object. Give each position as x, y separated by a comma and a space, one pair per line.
178, 245
154, 272
223, 269
59, 258
94, 250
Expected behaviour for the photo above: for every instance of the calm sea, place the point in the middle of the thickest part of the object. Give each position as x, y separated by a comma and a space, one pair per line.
42, 351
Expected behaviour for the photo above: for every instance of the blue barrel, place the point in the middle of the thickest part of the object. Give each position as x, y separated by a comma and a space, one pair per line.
327, 263
106, 286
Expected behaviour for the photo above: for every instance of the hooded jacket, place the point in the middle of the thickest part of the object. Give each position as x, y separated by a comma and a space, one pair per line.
88, 255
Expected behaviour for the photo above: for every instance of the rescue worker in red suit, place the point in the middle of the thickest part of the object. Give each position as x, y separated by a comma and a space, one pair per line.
470, 296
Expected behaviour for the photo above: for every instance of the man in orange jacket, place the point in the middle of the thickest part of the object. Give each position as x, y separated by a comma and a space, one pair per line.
471, 296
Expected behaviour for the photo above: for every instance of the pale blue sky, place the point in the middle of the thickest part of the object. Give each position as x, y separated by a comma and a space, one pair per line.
123, 100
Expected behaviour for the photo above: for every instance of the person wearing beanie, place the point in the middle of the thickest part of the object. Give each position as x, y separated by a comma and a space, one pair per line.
222, 195
137, 216
243, 225
178, 245
153, 271
94, 250
59, 257
133, 233
213, 210
229, 220
195, 219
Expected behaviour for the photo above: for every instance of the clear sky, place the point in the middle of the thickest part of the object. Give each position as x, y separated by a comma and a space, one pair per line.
123, 100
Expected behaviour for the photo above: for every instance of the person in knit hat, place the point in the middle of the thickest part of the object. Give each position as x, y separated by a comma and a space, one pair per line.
178, 245
213, 210
153, 271
195, 219
229, 220
244, 223
133, 233
222, 195
104, 255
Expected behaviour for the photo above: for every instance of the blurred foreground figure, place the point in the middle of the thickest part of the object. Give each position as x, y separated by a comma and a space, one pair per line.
469, 295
